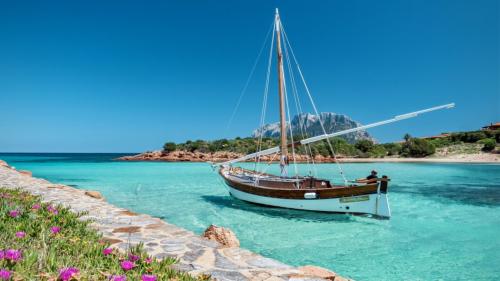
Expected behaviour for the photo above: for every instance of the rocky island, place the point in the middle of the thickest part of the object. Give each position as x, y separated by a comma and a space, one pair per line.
481, 146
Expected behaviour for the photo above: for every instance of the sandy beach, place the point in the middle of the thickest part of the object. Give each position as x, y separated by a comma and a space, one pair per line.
458, 158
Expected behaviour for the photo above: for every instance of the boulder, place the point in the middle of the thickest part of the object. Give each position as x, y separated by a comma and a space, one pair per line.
94, 194
26, 173
224, 236
316, 271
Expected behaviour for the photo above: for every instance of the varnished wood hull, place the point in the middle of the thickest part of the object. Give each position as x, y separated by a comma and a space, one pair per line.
359, 199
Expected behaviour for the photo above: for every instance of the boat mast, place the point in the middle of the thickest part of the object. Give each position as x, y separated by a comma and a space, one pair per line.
284, 146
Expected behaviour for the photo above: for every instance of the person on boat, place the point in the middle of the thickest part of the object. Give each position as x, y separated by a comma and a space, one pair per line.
283, 164
370, 178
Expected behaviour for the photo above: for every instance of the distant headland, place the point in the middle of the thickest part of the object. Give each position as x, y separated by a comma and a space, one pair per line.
480, 146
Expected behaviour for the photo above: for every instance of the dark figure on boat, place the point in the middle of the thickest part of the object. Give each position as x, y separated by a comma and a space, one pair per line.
370, 178
283, 164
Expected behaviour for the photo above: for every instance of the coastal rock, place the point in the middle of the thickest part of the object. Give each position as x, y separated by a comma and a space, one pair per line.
224, 236
94, 194
127, 229
316, 271
26, 173
219, 156
128, 213
57, 186
3, 163
110, 241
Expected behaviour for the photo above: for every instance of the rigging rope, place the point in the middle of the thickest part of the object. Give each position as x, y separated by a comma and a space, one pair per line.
298, 107
314, 105
243, 91
264, 100
290, 123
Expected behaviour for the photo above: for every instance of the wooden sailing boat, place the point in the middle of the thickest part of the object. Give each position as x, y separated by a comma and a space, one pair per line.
306, 192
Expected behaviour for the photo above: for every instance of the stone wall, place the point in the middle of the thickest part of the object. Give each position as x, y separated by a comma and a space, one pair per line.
196, 255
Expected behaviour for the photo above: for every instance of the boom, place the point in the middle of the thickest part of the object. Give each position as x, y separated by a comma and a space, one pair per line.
340, 133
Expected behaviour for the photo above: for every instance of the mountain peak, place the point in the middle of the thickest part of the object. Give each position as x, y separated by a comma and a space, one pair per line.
308, 125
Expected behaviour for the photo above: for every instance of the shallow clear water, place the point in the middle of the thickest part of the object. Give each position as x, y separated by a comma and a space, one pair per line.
445, 223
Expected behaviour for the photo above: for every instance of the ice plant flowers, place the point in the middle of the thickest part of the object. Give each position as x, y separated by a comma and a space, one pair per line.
117, 278
4, 274
133, 258
13, 255
67, 273
127, 265
147, 277
20, 234
107, 251
53, 210
55, 229
35, 206
14, 213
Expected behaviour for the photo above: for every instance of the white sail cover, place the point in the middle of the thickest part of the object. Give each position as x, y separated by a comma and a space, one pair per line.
340, 133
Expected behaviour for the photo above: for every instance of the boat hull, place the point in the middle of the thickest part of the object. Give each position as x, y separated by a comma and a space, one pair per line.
374, 204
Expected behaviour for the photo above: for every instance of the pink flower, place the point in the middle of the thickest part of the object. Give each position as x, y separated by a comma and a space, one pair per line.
147, 277
127, 265
4, 274
148, 260
4, 195
117, 278
133, 258
107, 251
13, 255
53, 210
36, 207
55, 229
67, 273
20, 234
14, 213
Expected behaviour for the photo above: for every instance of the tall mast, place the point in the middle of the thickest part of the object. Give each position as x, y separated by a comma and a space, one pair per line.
281, 91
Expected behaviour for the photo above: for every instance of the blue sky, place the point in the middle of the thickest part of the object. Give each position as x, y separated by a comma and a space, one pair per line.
126, 76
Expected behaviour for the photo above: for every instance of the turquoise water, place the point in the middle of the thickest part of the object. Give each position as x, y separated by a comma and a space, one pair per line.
445, 224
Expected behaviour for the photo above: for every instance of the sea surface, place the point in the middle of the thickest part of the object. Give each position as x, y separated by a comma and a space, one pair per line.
445, 221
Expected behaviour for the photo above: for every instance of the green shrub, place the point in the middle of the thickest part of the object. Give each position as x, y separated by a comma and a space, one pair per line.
497, 136
169, 147
364, 145
469, 137
392, 148
341, 146
442, 142
377, 151
417, 148
488, 144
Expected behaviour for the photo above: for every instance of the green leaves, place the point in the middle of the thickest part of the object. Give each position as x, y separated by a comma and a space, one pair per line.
44, 253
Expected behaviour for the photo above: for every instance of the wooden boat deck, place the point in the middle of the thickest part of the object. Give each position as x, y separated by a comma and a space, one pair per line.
293, 188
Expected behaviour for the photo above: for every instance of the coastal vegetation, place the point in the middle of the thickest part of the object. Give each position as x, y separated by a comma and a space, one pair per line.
41, 241
484, 140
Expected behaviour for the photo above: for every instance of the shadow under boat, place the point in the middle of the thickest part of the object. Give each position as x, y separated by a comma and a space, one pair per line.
279, 212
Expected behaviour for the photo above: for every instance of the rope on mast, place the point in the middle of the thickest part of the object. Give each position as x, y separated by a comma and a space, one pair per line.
298, 107
243, 91
290, 123
264, 100
314, 106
